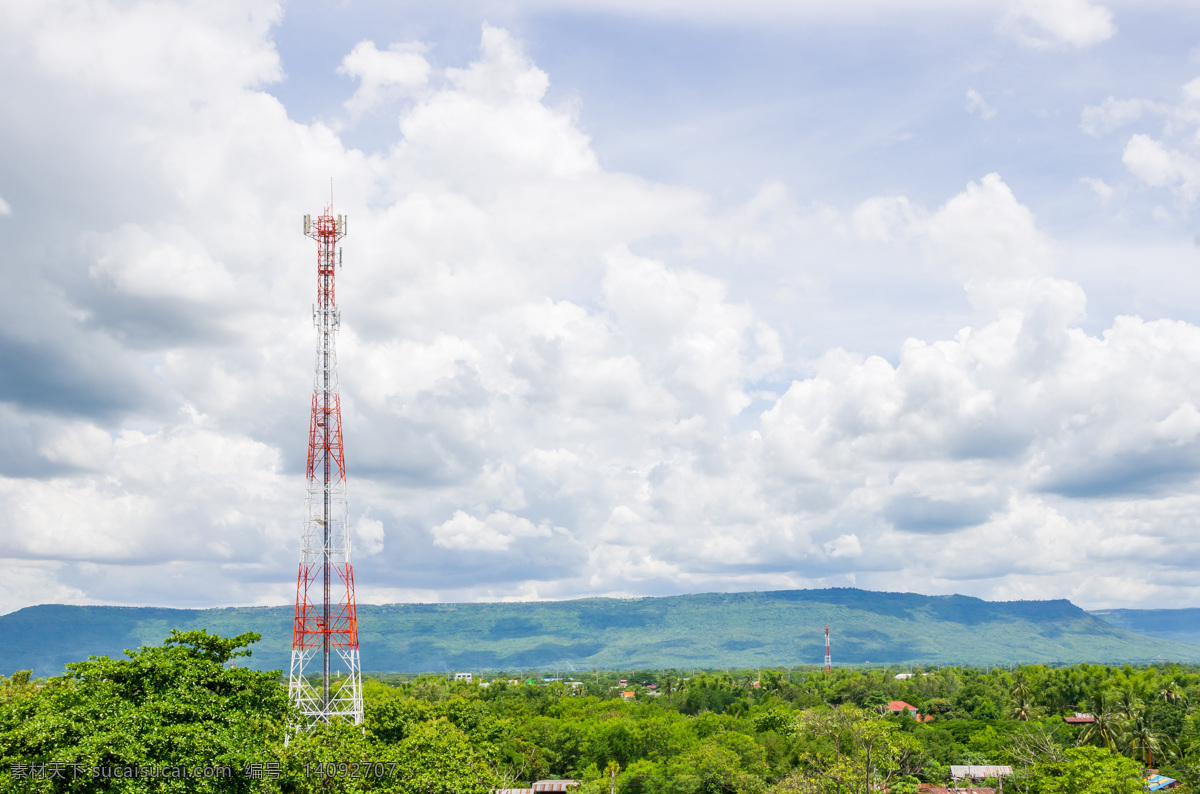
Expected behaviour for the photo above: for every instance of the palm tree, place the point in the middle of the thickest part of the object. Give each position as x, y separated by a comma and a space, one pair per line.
1020, 699
1174, 752
1129, 705
1020, 706
1171, 692
1105, 730
773, 681
1142, 740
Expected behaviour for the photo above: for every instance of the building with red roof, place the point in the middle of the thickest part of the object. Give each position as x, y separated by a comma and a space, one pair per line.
899, 707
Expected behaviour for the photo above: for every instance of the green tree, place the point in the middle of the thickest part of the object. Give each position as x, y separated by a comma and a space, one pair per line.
863, 750
1020, 699
1171, 692
18, 685
1105, 729
1142, 739
173, 706
711, 768
1087, 770
779, 720
1128, 704
435, 757
180, 707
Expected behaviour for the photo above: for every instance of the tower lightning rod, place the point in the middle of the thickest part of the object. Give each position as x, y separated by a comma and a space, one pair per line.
327, 627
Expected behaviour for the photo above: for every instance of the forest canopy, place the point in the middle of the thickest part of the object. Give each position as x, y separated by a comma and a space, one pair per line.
184, 716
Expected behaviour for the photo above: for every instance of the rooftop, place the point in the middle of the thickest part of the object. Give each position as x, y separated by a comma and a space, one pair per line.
973, 772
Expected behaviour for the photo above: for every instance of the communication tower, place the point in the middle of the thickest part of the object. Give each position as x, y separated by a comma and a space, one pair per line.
828, 655
325, 629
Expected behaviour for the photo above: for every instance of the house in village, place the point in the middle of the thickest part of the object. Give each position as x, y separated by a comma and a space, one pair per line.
540, 786
900, 707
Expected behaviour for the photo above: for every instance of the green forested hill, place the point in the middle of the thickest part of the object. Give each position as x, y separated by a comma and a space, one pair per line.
1177, 625
702, 631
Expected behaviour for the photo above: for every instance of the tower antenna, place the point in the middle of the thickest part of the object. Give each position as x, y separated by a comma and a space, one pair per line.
828, 655
326, 618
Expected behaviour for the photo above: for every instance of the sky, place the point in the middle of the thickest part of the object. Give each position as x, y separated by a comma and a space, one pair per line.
638, 298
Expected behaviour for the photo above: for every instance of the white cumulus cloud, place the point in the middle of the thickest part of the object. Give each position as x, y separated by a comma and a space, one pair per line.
494, 533
1113, 113
384, 74
1101, 188
1077, 23
975, 103
983, 230
547, 387
368, 536
1156, 165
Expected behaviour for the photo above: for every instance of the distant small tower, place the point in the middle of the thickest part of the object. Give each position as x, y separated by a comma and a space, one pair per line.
828, 655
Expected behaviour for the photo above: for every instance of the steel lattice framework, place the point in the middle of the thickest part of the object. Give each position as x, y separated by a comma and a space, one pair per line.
828, 655
325, 629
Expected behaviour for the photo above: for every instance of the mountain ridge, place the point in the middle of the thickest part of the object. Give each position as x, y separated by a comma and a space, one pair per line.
704, 630
1177, 625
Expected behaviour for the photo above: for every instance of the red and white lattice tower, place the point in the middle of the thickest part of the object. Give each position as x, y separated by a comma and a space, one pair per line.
325, 631
828, 655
